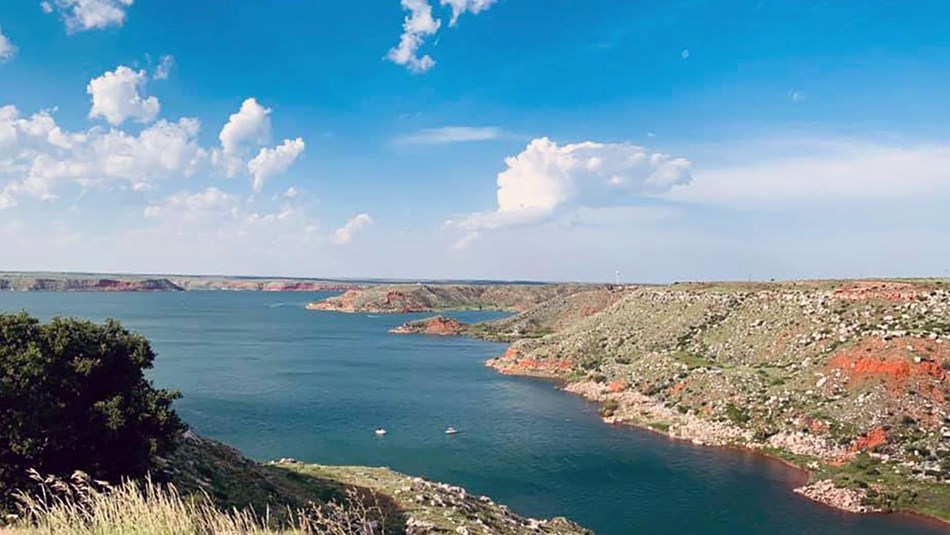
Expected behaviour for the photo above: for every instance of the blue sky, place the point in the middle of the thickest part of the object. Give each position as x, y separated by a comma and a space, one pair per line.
555, 140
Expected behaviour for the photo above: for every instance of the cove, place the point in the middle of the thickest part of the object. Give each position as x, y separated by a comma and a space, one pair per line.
259, 372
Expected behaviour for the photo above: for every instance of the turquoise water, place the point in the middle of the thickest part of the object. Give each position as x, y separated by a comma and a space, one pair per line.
261, 373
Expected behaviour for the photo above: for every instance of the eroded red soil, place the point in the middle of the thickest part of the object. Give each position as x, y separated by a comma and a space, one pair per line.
902, 364
888, 291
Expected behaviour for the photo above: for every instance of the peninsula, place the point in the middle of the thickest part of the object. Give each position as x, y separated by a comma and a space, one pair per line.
849, 380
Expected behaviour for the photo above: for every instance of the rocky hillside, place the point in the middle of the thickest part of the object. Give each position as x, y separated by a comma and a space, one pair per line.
439, 297
411, 505
260, 285
850, 380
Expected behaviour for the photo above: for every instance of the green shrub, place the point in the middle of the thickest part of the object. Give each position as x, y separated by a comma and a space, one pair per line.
73, 397
609, 408
737, 415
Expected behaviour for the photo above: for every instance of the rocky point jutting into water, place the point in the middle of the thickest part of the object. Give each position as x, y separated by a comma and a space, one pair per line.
413, 505
437, 297
849, 380
438, 325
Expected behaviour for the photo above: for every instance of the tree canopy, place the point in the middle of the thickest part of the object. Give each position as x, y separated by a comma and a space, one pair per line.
73, 396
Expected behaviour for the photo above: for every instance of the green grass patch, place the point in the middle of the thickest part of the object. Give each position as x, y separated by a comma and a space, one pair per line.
801, 461
737, 415
692, 360
659, 426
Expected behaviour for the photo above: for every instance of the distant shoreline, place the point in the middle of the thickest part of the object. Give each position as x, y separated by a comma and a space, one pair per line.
41, 282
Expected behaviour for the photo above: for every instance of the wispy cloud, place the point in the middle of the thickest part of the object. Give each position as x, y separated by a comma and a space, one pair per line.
7, 49
461, 6
452, 134
817, 170
164, 68
345, 234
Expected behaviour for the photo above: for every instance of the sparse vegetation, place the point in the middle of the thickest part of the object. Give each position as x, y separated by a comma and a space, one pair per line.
692, 360
810, 372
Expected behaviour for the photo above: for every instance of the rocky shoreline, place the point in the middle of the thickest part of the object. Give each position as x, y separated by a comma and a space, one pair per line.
637, 410
432, 508
620, 406
824, 491
417, 506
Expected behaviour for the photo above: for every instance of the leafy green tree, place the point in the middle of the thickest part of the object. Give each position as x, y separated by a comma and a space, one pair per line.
73, 396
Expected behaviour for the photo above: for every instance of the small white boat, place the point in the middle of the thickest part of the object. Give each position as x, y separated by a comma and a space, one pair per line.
451, 431
380, 432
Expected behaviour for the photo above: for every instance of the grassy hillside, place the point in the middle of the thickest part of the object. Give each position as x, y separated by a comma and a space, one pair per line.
408, 503
207, 488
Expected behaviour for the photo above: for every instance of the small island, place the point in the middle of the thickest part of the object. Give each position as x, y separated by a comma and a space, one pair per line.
437, 325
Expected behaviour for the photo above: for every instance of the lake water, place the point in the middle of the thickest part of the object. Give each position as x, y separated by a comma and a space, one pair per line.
261, 373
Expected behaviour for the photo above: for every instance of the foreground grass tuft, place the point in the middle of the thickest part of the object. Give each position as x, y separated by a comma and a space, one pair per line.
85, 507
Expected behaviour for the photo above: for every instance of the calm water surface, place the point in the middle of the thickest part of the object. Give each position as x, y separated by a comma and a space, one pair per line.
261, 373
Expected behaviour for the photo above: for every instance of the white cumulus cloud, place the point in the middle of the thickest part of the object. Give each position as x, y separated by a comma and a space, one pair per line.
245, 131
420, 23
345, 234
161, 150
415, 28
271, 162
81, 15
7, 49
250, 124
118, 96
38, 158
547, 179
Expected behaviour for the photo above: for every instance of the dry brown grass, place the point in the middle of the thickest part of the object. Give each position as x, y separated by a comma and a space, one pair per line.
82, 506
